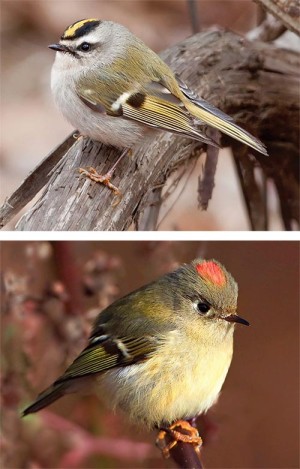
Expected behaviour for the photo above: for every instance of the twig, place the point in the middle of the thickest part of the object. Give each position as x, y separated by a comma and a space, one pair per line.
287, 11
85, 444
206, 184
68, 273
194, 15
186, 456
269, 30
253, 196
287, 216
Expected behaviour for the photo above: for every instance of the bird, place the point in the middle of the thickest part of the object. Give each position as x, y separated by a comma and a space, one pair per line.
114, 89
161, 353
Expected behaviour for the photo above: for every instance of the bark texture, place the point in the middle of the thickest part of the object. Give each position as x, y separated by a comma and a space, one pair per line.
287, 11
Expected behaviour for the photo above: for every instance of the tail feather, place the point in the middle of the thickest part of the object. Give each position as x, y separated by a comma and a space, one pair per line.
46, 397
212, 117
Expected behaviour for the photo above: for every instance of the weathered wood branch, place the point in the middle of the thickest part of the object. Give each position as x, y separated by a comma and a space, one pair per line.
254, 82
34, 182
287, 11
270, 29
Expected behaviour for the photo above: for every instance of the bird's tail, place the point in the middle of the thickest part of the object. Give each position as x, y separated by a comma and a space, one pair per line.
219, 120
48, 396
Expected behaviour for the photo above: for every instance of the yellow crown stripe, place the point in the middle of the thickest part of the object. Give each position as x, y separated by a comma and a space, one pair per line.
71, 30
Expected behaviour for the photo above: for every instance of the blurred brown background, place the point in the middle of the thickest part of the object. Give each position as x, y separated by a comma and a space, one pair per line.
32, 126
255, 424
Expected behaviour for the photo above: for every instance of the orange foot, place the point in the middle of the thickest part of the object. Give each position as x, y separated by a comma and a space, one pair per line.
92, 174
178, 431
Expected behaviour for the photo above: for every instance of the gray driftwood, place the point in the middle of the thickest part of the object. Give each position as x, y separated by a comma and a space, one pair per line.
254, 82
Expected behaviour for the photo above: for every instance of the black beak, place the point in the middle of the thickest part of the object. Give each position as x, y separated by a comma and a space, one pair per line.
59, 47
236, 318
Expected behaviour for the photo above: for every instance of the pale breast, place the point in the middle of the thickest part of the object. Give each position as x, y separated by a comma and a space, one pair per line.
115, 131
175, 384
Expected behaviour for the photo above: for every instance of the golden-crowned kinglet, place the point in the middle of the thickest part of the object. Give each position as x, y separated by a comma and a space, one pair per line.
113, 88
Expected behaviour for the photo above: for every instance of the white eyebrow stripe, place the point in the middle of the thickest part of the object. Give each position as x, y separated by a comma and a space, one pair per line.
91, 37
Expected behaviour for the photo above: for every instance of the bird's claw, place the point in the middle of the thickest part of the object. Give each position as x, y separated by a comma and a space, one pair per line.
180, 431
92, 174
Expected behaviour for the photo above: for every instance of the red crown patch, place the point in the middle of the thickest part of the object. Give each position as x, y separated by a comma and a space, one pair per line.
212, 272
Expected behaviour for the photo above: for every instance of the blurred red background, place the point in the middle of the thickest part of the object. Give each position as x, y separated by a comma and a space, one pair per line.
255, 424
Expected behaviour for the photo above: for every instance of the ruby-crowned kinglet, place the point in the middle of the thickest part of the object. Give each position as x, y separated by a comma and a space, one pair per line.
162, 352
111, 87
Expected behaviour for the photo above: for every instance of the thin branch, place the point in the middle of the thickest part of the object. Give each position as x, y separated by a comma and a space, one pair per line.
285, 209
206, 183
85, 444
69, 273
287, 11
186, 456
269, 30
253, 196
193, 8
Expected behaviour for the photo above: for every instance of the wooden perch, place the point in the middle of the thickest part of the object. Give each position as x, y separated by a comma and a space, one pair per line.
287, 11
254, 82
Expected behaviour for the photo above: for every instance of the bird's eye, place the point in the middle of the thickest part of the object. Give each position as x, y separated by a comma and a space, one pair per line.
84, 47
202, 307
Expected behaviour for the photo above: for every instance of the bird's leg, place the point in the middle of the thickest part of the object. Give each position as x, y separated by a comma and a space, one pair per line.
180, 431
92, 174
